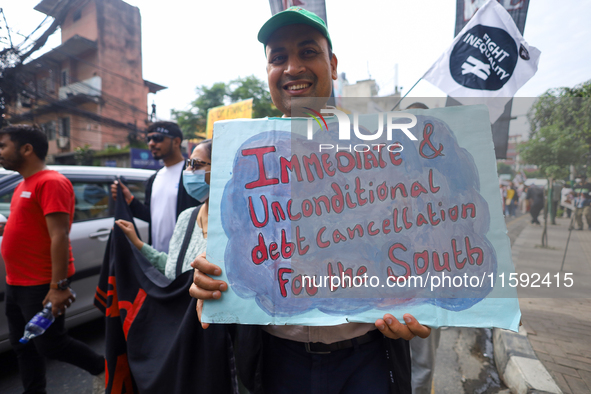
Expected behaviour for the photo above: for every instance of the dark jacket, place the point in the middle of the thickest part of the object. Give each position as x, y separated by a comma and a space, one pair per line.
142, 211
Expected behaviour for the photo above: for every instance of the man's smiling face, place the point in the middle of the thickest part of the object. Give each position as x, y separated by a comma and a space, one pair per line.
298, 65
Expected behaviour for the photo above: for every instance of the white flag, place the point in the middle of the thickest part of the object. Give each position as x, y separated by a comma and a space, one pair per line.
488, 59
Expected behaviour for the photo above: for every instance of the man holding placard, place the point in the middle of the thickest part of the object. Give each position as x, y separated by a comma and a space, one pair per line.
344, 358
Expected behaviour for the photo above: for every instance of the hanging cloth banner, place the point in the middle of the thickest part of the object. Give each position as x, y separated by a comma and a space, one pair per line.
465, 10
316, 6
154, 342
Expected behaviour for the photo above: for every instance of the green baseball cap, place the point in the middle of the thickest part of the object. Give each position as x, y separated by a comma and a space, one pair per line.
292, 16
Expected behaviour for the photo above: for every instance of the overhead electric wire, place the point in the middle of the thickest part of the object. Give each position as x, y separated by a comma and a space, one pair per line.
98, 67
107, 99
41, 24
110, 134
34, 31
103, 132
125, 106
7, 28
48, 97
18, 33
74, 8
57, 22
74, 109
105, 70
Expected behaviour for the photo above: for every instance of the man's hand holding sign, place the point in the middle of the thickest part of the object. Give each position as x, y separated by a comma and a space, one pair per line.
207, 288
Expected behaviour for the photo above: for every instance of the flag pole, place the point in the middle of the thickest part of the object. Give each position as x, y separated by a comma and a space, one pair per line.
399, 101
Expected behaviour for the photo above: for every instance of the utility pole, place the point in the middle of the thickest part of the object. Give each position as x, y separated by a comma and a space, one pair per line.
396, 79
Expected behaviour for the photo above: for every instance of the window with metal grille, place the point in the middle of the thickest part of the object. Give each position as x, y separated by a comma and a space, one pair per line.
65, 77
50, 130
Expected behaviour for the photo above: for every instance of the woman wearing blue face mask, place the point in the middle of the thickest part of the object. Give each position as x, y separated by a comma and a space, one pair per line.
196, 182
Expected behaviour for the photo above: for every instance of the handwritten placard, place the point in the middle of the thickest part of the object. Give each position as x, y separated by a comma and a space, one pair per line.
311, 229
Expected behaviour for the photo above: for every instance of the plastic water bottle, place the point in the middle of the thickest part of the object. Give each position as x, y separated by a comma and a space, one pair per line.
38, 324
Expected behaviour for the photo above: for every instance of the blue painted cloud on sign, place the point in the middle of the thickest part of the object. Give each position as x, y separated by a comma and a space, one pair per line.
297, 218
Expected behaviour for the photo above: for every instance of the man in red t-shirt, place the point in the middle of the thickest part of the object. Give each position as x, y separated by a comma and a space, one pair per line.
38, 257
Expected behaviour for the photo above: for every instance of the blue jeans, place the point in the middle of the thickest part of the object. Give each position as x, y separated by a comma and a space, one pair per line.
22, 303
510, 209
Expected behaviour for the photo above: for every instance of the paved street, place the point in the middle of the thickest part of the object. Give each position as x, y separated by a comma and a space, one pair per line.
559, 329
465, 363
61, 377
464, 360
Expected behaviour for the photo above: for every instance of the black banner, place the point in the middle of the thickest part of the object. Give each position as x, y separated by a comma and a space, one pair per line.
316, 6
154, 342
465, 10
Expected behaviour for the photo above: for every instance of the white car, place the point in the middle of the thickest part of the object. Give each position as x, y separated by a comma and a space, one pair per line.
93, 220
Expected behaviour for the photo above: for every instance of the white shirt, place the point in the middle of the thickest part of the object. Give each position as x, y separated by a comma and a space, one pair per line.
324, 334
163, 205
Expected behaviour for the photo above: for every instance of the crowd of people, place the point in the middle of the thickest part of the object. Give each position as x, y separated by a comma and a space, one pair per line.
564, 198
347, 358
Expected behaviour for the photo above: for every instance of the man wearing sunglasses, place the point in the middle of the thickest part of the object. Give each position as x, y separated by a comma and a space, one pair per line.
166, 196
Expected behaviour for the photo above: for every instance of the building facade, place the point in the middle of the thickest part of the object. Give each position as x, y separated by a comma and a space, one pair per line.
89, 91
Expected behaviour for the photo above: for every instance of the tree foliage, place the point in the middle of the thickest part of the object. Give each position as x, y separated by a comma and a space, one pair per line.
84, 156
560, 131
252, 87
194, 120
504, 168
